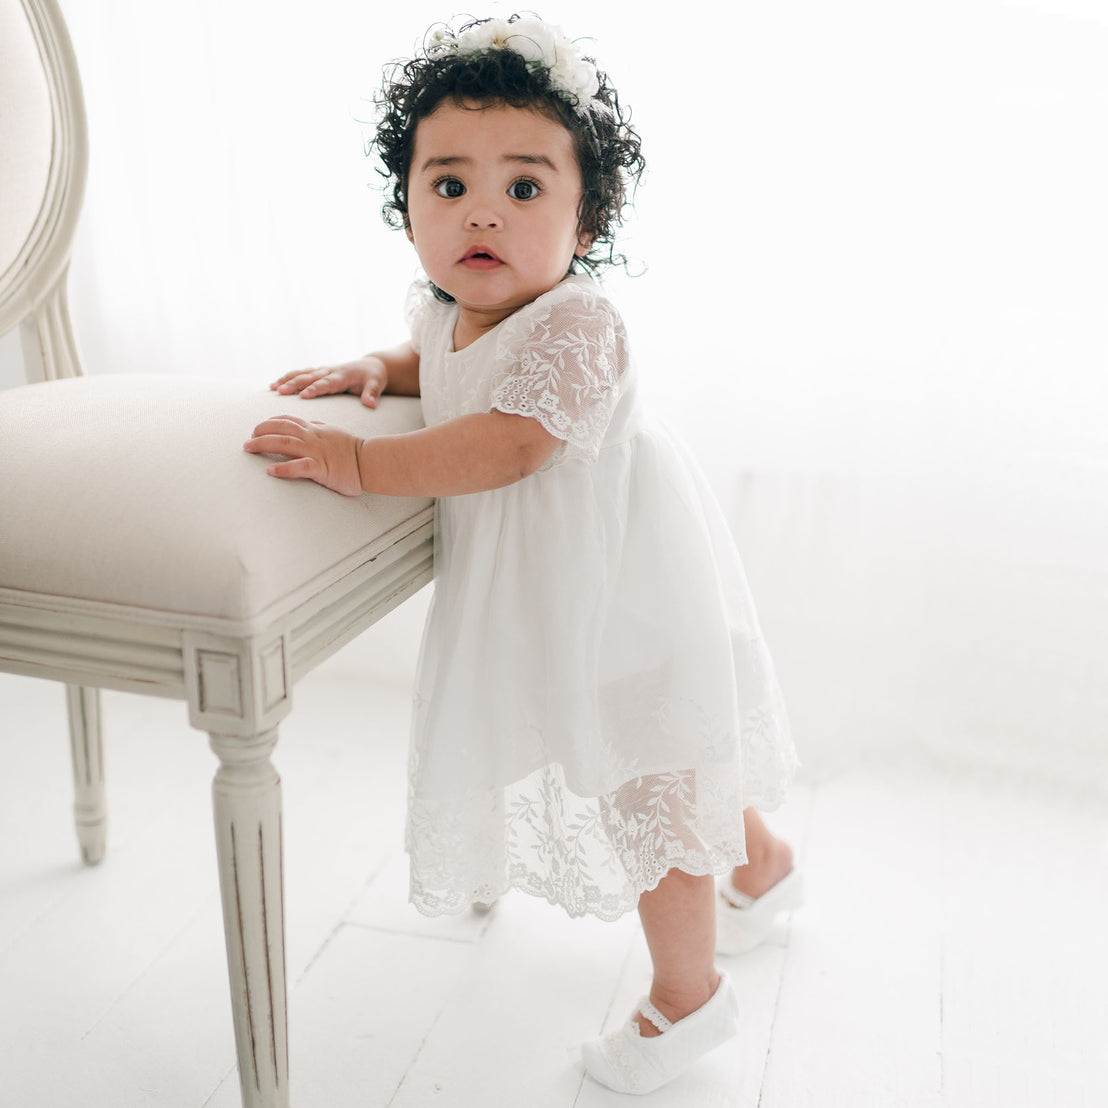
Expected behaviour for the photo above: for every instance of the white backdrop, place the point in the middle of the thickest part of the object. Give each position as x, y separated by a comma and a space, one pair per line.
877, 275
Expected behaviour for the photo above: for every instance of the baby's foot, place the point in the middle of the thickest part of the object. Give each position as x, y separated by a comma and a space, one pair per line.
769, 863
657, 1011
630, 1062
750, 902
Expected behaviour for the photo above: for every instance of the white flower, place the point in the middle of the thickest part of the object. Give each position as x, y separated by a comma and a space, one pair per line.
485, 36
577, 76
539, 44
534, 41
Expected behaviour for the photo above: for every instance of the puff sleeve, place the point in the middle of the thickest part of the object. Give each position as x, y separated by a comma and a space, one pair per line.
560, 361
419, 306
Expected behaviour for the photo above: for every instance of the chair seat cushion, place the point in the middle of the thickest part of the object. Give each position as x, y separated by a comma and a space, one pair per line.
135, 490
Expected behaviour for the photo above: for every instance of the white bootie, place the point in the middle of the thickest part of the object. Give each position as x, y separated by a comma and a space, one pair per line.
744, 922
629, 1063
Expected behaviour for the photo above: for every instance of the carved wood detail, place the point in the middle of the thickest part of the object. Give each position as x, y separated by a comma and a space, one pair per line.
246, 795
219, 683
236, 686
274, 674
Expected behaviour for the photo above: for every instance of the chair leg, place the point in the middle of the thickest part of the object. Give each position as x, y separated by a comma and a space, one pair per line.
90, 808
247, 804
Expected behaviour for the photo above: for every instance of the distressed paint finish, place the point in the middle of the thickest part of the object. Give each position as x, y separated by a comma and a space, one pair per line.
246, 795
238, 690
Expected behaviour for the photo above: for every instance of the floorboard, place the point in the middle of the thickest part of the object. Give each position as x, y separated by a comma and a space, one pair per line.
858, 1021
951, 951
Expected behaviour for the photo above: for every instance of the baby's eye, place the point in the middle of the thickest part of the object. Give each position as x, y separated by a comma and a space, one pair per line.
450, 187
523, 190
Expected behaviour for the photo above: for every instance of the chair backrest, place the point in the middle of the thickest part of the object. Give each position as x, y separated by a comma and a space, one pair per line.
43, 160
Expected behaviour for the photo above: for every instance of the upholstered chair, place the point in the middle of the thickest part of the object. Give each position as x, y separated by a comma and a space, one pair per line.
142, 549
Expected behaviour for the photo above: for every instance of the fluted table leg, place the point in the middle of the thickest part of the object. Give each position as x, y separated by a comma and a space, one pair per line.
90, 808
247, 804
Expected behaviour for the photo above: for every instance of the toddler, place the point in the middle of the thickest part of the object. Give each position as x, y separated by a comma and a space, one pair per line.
596, 716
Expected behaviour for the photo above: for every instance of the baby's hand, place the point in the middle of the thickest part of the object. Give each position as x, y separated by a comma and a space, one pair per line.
326, 455
366, 377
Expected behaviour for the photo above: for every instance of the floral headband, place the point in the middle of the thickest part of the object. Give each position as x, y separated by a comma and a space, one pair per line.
542, 46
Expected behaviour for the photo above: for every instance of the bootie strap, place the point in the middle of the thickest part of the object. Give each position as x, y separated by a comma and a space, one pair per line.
651, 1013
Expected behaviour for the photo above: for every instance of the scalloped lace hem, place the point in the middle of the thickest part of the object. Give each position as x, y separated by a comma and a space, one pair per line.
608, 908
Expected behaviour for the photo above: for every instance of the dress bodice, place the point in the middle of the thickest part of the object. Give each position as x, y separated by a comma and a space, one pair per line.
563, 359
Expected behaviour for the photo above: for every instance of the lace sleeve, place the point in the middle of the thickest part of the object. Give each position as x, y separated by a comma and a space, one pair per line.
562, 361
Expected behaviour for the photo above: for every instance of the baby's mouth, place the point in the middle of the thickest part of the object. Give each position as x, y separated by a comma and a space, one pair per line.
480, 257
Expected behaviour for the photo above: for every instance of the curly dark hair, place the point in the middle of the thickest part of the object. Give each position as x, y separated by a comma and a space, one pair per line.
608, 149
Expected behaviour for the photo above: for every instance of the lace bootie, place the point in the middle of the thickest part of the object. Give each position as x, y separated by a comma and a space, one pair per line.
744, 922
629, 1063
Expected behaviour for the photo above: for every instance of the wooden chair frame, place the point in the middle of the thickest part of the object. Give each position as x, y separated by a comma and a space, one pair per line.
237, 680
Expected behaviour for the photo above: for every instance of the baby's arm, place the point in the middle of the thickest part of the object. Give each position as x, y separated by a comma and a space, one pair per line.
471, 453
395, 371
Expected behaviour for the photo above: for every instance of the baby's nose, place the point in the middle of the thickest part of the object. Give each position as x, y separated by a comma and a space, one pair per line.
483, 216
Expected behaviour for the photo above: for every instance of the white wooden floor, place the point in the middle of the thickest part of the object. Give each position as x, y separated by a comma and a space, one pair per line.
953, 950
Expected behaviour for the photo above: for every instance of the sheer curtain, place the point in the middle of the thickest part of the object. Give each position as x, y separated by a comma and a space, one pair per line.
876, 256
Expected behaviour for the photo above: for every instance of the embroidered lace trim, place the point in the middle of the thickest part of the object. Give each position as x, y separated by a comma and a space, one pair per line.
591, 855
566, 354
654, 1016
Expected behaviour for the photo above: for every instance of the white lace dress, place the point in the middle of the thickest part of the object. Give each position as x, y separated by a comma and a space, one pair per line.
594, 703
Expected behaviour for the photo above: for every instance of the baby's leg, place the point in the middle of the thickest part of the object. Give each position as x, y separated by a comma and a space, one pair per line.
770, 858
679, 919
692, 1008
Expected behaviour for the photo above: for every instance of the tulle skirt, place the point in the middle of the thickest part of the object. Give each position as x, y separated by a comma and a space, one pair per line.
594, 704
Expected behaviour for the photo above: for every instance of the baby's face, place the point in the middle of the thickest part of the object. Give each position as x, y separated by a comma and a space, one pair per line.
493, 197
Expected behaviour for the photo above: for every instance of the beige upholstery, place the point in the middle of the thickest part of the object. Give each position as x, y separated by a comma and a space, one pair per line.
142, 549
81, 459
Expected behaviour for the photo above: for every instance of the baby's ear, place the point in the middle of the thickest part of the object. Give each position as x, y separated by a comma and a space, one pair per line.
408, 229
584, 244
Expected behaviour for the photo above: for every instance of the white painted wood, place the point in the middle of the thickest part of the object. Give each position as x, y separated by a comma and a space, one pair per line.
90, 806
247, 803
66, 639
337, 615
37, 273
865, 946
510, 1032
49, 347
180, 1068
384, 906
1025, 962
237, 686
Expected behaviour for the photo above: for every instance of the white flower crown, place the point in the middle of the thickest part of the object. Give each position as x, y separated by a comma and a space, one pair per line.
542, 46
